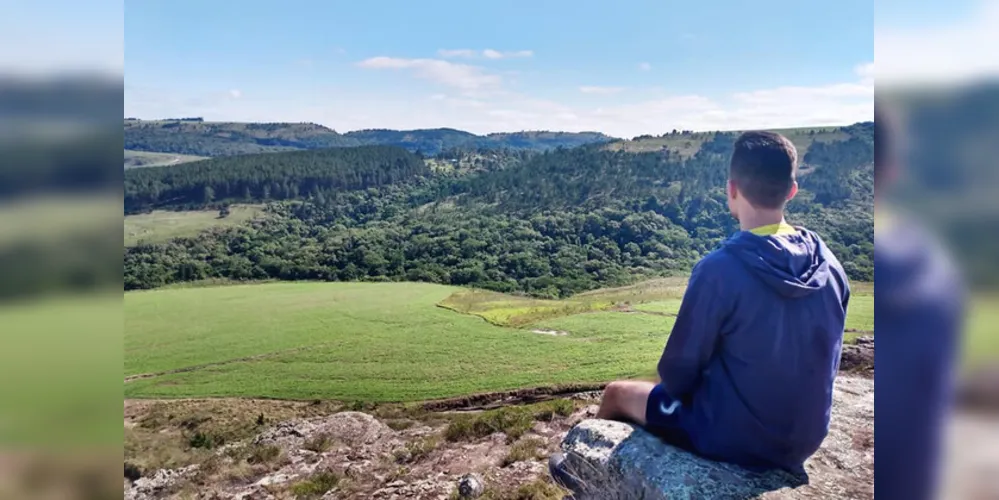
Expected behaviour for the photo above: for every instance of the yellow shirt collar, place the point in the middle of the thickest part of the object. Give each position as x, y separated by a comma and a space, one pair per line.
780, 228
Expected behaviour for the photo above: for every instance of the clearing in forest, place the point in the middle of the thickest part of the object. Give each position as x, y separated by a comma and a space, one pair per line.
163, 225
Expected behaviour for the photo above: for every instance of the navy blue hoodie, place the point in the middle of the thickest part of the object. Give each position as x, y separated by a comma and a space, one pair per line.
756, 347
919, 305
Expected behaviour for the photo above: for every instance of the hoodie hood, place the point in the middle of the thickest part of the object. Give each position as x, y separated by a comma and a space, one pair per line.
792, 264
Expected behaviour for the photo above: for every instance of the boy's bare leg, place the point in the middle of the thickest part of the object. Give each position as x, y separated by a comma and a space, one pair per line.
625, 400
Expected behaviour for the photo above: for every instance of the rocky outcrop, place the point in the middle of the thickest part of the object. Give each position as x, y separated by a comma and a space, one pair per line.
858, 358
349, 427
156, 485
617, 460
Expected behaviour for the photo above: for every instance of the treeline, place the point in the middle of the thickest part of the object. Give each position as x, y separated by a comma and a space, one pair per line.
81, 163
194, 136
364, 236
550, 224
200, 138
266, 177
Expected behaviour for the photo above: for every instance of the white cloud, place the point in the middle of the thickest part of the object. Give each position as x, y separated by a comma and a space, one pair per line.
450, 53
460, 76
495, 54
235, 93
865, 71
946, 53
644, 66
487, 53
594, 89
473, 99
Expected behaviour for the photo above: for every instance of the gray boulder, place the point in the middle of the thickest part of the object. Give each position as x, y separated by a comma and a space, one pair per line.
470, 486
620, 461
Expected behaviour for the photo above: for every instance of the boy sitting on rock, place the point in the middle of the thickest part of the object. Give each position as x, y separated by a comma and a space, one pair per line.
747, 373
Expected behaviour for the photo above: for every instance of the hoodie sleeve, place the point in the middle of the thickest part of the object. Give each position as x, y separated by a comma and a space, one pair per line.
695, 333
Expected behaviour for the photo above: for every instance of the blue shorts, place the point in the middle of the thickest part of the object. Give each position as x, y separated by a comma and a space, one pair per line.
663, 417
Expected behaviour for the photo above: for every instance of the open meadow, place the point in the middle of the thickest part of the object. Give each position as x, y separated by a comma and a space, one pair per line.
137, 159
380, 342
686, 145
163, 225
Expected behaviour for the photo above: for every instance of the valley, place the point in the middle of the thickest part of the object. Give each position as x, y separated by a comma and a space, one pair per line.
394, 342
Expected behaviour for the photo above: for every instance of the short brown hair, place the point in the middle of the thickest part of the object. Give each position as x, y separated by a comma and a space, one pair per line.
763, 167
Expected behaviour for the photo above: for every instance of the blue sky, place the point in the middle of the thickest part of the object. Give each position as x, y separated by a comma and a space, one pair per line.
621, 67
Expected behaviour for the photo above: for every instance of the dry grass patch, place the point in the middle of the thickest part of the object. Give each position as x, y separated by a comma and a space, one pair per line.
417, 449
172, 434
539, 489
514, 421
315, 486
526, 449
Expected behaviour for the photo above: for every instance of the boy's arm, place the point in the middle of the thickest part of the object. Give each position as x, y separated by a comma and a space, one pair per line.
695, 333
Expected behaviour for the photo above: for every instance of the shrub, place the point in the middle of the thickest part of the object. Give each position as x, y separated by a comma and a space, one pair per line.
523, 450
132, 472
512, 421
549, 409
399, 424
539, 489
263, 454
202, 440
417, 449
319, 443
316, 486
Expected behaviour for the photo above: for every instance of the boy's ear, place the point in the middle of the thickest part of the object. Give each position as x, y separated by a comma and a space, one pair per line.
733, 191
793, 191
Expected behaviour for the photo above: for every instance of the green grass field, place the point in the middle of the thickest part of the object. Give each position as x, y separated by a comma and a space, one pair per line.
136, 159
981, 343
688, 144
386, 341
160, 226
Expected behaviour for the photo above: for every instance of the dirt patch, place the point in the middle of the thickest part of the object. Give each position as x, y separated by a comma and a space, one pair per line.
628, 309
133, 378
858, 358
979, 391
855, 330
492, 400
554, 333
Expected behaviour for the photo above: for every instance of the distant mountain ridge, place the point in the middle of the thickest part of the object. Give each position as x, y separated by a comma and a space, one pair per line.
200, 138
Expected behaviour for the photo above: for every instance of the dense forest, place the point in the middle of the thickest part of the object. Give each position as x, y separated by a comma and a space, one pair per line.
194, 136
200, 138
266, 177
433, 141
550, 224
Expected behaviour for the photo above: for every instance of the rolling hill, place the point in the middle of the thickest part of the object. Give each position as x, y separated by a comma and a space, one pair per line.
551, 224
200, 138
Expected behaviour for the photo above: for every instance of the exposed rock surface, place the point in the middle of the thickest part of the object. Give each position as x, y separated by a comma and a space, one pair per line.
619, 460
349, 427
373, 461
154, 486
858, 357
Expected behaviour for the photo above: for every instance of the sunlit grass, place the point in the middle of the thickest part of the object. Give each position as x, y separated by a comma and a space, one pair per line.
160, 225
389, 341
